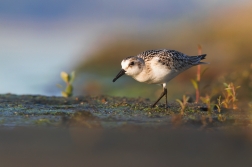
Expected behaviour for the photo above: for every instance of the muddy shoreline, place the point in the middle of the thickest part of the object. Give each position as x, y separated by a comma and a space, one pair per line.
110, 112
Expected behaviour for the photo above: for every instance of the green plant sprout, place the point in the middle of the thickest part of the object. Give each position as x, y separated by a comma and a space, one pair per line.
196, 83
230, 94
183, 103
209, 104
68, 79
218, 105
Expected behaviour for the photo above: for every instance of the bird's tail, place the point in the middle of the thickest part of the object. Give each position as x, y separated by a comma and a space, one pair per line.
195, 60
202, 56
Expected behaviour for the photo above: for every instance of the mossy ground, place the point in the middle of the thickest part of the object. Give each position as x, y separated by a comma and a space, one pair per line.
110, 112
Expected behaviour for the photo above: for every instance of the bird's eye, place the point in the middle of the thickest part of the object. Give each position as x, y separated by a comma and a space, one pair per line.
132, 63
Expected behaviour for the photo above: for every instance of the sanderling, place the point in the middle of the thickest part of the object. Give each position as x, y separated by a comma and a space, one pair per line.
158, 67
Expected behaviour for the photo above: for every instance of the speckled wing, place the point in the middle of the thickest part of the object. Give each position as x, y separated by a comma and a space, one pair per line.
173, 59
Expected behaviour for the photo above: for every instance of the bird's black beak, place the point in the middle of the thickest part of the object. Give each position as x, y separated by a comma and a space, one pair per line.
122, 72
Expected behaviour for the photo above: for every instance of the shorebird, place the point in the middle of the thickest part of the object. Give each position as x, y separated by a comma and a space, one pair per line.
158, 67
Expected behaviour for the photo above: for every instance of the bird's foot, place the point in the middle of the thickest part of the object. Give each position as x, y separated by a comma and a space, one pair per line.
162, 105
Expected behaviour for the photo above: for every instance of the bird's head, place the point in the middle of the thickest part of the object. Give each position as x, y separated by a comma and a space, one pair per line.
131, 66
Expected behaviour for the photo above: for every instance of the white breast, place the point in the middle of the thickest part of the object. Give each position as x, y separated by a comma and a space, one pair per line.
160, 73
156, 73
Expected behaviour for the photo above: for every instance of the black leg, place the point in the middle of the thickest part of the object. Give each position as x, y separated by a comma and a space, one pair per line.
162, 95
166, 103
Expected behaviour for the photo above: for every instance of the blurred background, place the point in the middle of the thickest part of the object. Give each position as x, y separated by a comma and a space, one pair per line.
41, 38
